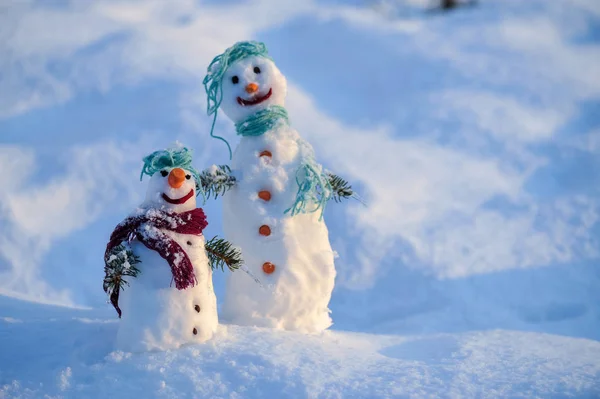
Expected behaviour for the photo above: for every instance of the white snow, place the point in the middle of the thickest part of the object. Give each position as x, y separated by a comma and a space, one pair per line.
75, 359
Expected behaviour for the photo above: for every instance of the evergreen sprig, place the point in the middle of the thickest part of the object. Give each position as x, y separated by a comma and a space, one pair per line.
217, 181
341, 188
221, 252
120, 263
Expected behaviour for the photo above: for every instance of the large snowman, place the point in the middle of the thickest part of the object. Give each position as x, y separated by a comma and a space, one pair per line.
274, 211
169, 300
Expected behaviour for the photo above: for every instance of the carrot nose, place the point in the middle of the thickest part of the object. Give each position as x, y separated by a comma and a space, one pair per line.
251, 88
176, 178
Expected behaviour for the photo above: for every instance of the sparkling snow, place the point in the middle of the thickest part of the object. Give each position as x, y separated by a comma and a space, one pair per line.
68, 353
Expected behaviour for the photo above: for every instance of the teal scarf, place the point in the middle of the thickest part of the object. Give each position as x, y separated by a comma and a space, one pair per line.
314, 189
262, 121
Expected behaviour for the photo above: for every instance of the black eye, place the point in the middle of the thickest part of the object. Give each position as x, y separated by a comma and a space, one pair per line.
256, 70
235, 80
188, 177
164, 173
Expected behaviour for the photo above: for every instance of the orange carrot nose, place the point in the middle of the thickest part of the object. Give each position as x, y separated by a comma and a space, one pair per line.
251, 88
176, 178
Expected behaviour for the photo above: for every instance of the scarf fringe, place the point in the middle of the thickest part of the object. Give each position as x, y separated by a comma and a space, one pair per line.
314, 189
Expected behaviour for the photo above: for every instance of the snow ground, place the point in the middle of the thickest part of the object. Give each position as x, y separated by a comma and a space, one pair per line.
67, 353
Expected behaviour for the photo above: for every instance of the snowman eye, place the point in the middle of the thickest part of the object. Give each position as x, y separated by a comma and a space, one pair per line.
235, 80
188, 177
256, 70
164, 173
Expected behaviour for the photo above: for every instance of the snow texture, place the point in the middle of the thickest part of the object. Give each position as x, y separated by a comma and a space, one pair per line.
76, 359
296, 295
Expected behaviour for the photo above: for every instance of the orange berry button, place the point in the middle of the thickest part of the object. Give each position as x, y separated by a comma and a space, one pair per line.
264, 230
264, 195
268, 267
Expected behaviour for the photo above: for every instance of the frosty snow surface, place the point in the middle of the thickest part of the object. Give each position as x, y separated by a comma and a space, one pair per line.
472, 135
76, 359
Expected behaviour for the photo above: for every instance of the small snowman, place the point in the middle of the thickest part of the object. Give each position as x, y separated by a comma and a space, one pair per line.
159, 259
274, 209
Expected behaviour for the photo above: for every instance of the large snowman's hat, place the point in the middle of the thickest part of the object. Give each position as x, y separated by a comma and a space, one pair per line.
176, 157
213, 81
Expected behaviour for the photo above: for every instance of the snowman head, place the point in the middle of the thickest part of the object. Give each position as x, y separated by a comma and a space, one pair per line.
174, 183
244, 80
251, 85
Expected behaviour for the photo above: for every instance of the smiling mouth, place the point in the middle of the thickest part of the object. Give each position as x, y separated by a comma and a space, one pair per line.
179, 200
254, 101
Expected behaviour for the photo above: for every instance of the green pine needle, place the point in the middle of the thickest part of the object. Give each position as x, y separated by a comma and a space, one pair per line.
120, 263
341, 188
217, 182
221, 252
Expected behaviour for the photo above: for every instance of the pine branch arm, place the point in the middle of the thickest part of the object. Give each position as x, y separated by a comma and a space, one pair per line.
222, 253
217, 180
341, 188
119, 263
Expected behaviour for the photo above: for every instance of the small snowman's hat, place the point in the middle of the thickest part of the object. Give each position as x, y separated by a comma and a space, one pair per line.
170, 158
216, 70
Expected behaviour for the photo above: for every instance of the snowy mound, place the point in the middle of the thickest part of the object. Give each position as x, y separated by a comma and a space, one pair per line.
68, 353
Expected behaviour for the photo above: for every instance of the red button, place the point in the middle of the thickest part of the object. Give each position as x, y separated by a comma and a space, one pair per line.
264, 195
268, 267
264, 230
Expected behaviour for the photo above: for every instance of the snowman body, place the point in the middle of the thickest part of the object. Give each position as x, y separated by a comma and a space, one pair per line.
291, 255
157, 315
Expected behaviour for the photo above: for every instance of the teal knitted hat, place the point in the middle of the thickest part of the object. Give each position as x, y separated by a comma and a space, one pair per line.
169, 159
213, 81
